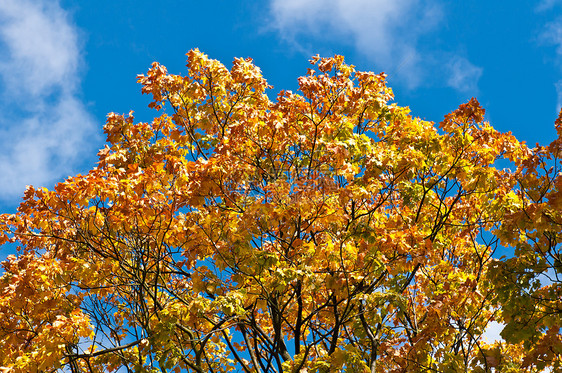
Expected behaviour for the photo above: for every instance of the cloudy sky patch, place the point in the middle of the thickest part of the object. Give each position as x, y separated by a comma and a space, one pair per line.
551, 36
463, 75
45, 128
547, 5
388, 32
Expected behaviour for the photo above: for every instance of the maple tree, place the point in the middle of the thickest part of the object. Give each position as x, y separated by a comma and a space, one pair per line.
529, 285
328, 230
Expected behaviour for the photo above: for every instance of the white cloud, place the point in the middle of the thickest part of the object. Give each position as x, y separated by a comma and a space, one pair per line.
389, 32
44, 127
552, 34
463, 75
547, 5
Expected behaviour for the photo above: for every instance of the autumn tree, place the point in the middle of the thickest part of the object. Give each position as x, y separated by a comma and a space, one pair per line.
528, 286
328, 230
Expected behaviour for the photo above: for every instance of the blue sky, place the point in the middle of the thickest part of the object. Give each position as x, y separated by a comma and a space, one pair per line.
65, 64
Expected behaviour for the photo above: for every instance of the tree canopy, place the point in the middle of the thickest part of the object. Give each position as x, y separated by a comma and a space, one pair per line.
326, 230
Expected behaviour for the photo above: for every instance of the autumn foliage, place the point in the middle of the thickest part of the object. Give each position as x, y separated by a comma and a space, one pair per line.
328, 230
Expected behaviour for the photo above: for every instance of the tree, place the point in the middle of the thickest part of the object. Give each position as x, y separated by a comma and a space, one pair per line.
528, 286
328, 230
